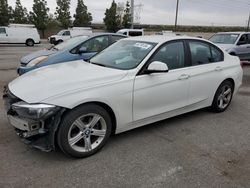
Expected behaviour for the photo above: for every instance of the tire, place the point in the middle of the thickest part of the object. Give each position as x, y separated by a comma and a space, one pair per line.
30, 42
223, 97
84, 131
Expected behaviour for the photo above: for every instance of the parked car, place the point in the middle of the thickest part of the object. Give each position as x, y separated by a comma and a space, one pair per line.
69, 33
235, 43
134, 82
19, 34
131, 32
81, 47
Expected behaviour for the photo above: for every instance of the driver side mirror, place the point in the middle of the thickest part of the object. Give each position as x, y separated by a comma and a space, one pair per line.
82, 50
156, 67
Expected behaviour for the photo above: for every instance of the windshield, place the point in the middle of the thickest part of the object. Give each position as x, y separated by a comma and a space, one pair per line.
224, 38
60, 32
125, 54
70, 43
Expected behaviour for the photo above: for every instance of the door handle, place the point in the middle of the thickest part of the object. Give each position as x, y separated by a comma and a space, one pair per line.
248, 47
218, 69
184, 77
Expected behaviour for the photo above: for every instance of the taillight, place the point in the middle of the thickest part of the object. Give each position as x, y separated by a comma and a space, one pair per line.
241, 64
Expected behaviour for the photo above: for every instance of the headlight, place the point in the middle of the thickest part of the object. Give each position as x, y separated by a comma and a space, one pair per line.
36, 61
34, 111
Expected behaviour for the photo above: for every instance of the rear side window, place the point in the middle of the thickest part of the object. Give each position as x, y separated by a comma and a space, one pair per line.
135, 33
172, 54
203, 53
2, 31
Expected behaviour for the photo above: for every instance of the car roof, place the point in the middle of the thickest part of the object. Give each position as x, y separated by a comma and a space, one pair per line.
161, 38
236, 32
124, 30
99, 34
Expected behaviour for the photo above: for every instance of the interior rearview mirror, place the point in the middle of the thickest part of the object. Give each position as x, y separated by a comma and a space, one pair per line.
156, 67
82, 50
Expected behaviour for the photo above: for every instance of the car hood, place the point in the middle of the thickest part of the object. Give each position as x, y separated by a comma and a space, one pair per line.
59, 79
26, 59
225, 46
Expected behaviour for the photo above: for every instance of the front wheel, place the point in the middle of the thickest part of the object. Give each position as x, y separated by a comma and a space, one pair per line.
84, 131
223, 97
30, 42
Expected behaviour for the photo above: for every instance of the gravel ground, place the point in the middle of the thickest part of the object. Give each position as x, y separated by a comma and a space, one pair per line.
198, 149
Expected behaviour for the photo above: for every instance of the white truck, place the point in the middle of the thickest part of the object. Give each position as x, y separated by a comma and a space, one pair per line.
69, 33
19, 34
131, 32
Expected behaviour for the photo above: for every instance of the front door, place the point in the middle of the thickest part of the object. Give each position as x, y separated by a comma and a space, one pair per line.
158, 93
243, 47
3, 35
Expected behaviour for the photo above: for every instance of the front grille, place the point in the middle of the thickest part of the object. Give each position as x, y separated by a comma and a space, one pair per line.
52, 40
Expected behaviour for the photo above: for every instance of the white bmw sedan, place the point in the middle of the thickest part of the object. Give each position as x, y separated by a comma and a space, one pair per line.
137, 81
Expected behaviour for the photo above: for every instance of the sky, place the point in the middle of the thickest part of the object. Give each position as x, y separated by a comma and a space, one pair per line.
191, 12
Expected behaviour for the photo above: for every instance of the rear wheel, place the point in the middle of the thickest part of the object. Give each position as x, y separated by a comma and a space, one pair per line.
84, 131
30, 42
223, 97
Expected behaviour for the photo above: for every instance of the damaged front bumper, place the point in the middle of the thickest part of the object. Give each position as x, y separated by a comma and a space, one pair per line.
35, 125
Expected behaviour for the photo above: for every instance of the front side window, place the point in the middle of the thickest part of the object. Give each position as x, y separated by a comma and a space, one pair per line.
96, 44
66, 33
172, 54
203, 53
124, 54
2, 31
243, 40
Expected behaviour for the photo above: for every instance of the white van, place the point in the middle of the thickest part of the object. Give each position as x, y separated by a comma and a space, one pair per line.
19, 34
131, 32
69, 33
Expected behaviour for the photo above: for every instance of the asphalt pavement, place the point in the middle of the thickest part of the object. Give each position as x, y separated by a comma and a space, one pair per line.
198, 149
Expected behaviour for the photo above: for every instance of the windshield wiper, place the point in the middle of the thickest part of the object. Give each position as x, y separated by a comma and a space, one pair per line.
98, 64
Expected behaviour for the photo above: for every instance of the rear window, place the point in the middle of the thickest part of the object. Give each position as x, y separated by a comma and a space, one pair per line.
135, 33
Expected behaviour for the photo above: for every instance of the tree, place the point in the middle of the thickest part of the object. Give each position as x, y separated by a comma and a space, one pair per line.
111, 18
20, 14
63, 13
126, 22
4, 13
82, 16
39, 17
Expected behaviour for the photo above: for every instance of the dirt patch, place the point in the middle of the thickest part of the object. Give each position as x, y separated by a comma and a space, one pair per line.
246, 80
237, 168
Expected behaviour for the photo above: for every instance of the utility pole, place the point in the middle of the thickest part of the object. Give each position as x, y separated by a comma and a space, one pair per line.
248, 23
176, 14
132, 13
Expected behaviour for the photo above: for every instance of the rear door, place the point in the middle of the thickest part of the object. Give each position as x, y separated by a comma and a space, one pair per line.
3, 35
205, 71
